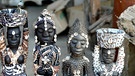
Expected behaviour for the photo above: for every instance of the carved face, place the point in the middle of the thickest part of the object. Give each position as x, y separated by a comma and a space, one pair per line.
108, 55
13, 36
77, 45
45, 36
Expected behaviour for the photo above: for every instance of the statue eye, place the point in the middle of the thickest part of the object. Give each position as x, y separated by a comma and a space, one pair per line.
40, 30
17, 35
83, 42
50, 30
9, 36
74, 41
105, 55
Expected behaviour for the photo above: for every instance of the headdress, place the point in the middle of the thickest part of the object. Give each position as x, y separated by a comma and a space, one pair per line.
45, 18
78, 28
13, 18
110, 37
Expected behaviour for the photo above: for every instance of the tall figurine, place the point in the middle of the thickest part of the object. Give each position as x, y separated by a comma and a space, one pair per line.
13, 42
77, 64
108, 56
46, 53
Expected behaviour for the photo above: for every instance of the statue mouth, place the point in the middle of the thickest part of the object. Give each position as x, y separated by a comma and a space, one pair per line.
108, 60
78, 50
46, 39
14, 43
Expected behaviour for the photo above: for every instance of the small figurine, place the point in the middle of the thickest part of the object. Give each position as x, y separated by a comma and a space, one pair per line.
13, 42
46, 53
106, 62
77, 64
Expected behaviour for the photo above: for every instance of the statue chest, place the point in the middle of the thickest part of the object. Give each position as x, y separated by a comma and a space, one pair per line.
13, 58
76, 67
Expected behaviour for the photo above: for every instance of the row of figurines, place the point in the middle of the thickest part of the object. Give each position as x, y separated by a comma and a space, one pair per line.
14, 47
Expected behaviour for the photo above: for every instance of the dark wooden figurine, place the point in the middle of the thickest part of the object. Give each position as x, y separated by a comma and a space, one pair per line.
76, 64
46, 53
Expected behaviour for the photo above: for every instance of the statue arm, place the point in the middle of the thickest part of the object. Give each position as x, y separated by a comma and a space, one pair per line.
47, 71
2, 43
56, 65
65, 69
86, 68
36, 61
25, 44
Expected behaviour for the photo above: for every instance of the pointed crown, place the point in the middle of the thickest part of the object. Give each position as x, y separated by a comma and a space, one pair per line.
77, 27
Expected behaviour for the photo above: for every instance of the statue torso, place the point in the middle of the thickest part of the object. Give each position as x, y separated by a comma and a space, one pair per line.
76, 67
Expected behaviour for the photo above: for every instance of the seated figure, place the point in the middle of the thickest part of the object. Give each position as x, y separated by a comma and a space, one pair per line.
108, 56
13, 42
46, 53
77, 64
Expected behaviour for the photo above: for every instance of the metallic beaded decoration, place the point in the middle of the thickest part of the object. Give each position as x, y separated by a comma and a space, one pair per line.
109, 38
46, 56
76, 65
76, 29
11, 18
46, 17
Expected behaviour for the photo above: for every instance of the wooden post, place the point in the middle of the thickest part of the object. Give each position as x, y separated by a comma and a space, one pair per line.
95, 10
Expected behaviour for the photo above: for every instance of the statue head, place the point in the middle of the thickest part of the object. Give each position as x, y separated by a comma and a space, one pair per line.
78, 38
108, 55
13, 25
109, 39
13, 36
45, 31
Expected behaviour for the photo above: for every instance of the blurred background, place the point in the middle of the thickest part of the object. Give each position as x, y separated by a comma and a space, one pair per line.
64, 13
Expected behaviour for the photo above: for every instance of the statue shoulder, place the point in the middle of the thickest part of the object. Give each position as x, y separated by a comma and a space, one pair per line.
57, 49
26, 35
86, 59
66, 59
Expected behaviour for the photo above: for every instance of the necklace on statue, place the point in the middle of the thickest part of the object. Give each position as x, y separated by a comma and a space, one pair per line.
106, 71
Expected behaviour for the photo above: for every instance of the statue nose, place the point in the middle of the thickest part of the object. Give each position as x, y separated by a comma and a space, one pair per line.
78, 45
13, 37
45, 33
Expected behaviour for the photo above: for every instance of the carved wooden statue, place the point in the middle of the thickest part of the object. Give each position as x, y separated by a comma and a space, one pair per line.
13, 42
106, 62
76, 64
46, 53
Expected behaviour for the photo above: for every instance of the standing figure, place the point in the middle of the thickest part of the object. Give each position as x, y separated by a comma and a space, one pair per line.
108, 56
46, 53
13, 42
77, 64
